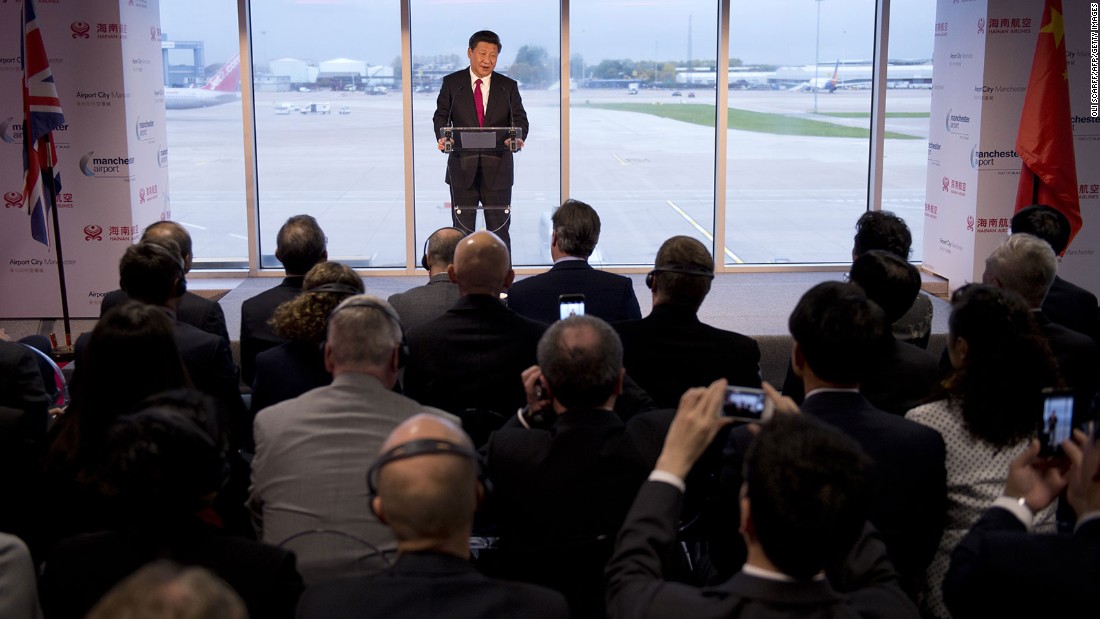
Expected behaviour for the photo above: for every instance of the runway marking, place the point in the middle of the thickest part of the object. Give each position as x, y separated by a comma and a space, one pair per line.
237, 236
195, 226
619, 159
710, 237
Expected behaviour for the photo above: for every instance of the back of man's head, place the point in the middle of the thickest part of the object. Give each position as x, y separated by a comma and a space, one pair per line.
581, 358
682, 271
300, 244
809, 493
164, 590
363, 332
577, 228
170, 230
481, 265
428, 492
889, 281
1045, 222
150, 271
838, 330
1024, 264
439, 251
882, 230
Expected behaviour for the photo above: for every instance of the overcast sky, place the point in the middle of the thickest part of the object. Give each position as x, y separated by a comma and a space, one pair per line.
776, 32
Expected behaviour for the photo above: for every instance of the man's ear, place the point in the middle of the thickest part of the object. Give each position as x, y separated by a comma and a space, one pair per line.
376, 507
747, 529
451, 273
327, 352
395, 359
279, 254
619, 382
509, 279
553, 238
798, 360
480, 493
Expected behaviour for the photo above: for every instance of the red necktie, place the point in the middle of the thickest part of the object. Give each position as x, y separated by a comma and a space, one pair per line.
479, 105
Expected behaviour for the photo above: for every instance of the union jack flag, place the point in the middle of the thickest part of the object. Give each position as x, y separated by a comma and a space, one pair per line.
41, 115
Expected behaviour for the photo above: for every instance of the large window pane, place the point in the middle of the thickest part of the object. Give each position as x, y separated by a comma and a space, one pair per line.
530, 36
642, 121
799, 137
329, 125
205, 159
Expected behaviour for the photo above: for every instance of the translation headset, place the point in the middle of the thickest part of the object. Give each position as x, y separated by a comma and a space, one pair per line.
421, 447
338, 288
181, 284
424, 256
403, 350
682, 268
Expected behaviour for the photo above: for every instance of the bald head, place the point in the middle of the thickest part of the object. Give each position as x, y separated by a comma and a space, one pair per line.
482, 265
170, 230
429, 499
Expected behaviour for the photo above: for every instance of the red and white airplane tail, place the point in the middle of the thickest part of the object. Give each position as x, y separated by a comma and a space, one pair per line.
227, 77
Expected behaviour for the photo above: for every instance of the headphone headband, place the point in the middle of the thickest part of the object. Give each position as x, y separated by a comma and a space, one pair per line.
685, 269
337, 288
412, 449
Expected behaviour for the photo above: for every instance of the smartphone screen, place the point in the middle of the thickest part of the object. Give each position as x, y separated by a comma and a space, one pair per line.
570, 305
1057, 421
746, 404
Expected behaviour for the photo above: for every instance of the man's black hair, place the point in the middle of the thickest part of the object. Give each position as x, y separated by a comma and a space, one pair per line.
1045, 222
485, 36
887, 280
809, 490
148, 275
578, 228
882, 230
839, 331
300, 244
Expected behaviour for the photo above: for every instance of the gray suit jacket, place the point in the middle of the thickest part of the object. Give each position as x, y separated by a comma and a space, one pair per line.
417, 306
312, 456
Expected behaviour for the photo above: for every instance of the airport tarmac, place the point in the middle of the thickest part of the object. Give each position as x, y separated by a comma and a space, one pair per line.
789, 198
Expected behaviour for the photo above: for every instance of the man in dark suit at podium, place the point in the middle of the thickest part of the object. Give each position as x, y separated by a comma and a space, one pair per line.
480, 97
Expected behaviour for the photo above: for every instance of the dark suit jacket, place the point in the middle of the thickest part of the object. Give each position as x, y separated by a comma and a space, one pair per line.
194, 310
428, 585
1078, 359
670, 351
417, 306
636, 587
1072, 306
23, 415
559, 497
287, 371
256, 335
910, 500
455, 106
82, 569
472, 357
606, 295
210, 365
999, 570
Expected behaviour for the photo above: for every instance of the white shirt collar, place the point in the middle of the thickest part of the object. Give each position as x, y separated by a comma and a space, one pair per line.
766, 574
484, 80
829, 390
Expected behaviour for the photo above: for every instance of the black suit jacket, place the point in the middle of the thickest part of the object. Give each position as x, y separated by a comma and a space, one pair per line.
210, 365
606, 295
455, 107
256, 335
670, 351
636, 587
1074, 307
427, 585
24, 410
472, 357
194, 310
911, 495
287, 371
1078, 359
999, 570
82, 569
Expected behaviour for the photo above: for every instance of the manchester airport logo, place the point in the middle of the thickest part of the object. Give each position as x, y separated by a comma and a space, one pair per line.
162, 157
988, 160
969, 223
105, 167
1010, 25
934, 149
13, 199
143, 129
11, 131
92, 232
81, 29
957, 123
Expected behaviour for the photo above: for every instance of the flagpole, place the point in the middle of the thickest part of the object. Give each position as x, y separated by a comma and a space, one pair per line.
51, 199
1035, 188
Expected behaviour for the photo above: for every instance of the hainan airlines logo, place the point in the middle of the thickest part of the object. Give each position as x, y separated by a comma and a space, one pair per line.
981, 25
141, 196
13, 199
80, 29
969, 223
93, 232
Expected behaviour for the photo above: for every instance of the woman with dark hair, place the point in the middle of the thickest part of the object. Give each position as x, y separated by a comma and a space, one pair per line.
293, 368
1001, 364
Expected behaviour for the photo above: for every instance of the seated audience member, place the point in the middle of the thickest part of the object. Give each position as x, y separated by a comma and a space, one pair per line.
24, 411
299, 246
562, 488
901, 375
196, 311
161, 471
1066, 303
1001, 569
606, 295
18, 586
804, 503
886, 231
425, 488
1001, 363
297, 365
670, 350
423, 303
472, 356
1027, 265
838, 334
164, 590
312, 451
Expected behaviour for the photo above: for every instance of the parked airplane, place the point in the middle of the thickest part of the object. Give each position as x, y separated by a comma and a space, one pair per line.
222, 88
827, 84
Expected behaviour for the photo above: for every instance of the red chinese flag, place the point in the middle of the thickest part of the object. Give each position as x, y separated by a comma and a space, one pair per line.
1045, 140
